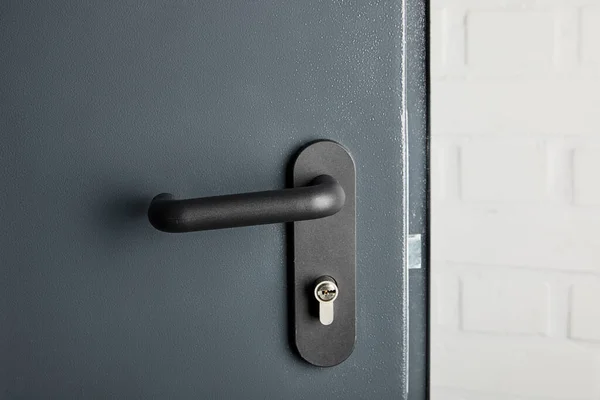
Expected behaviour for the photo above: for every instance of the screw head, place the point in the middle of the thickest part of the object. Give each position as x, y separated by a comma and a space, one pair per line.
326, 291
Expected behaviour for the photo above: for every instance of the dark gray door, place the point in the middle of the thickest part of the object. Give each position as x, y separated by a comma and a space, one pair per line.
106, 104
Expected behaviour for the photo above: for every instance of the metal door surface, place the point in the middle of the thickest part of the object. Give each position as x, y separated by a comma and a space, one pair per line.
106, 104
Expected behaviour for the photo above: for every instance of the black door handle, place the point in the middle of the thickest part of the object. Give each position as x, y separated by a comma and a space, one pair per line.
323, 197
324, 249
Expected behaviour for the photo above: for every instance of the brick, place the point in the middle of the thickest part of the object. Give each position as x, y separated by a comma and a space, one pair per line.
442, 393
454, 40
586, 164
502, 170
446, 394
443, 169
540, 237
535, 107
590, 35
504, 304
509, 42
437, 40
514, 367
585, 311
559, 171
444, 298
566, 38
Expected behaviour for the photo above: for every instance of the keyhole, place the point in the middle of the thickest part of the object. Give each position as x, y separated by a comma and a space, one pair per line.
326, 292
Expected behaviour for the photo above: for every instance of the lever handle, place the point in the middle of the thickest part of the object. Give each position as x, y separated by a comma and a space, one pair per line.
323, 197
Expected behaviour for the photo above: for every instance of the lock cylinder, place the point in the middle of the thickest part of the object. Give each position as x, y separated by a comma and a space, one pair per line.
326, 291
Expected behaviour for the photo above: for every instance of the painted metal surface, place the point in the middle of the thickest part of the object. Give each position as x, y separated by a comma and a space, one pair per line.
105, 105
417, 128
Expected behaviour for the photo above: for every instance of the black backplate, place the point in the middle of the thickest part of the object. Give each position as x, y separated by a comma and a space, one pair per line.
325, 246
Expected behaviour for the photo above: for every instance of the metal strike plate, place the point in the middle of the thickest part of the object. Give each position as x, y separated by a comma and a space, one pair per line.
325, 247
414, 251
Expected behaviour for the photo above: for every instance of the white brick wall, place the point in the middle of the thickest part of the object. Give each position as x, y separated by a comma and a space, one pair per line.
504, 303
515, 199
585, 311
586, 165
